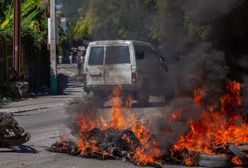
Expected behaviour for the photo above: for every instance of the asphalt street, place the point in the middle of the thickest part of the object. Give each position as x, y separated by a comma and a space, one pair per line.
46, 126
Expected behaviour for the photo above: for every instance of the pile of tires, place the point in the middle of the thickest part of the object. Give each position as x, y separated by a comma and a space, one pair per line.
217, 161
240, 154
214, 161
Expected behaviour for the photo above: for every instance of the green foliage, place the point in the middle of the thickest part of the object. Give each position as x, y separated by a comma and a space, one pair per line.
3, 101
81, 29
152, 20
203, 31
34, 23
118, 19
8, 90
130, 19
7, 18
157, 30
38, 38
29, 11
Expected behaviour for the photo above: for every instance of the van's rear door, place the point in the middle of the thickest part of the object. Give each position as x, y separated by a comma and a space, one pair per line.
95, 68
118, 65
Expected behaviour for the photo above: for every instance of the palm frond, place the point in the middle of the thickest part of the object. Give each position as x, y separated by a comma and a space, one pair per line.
8, 17
28, 6
28, 20
28, 12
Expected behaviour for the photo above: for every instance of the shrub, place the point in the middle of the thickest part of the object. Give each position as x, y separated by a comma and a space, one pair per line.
8, 90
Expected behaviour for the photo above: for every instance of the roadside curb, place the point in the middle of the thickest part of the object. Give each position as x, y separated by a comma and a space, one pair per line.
11, 110
28, 108
65, 103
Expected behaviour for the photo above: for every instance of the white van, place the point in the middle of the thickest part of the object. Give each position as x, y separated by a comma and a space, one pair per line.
131, 64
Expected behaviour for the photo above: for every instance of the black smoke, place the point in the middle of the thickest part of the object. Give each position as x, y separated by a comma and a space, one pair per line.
208, 10
193, 62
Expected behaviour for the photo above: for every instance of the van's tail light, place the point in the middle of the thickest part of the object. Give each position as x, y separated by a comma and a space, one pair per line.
134, 78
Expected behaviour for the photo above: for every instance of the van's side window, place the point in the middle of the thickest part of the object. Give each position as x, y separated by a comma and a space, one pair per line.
96, 56
117, 55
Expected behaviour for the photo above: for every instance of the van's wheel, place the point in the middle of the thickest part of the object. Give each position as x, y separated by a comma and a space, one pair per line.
98, 99
143, 95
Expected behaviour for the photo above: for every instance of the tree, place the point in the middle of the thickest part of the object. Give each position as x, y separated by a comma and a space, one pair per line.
133, 19
34, 38
31, 16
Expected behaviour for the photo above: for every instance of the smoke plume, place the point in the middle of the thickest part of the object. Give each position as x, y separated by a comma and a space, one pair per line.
193, 63
206, 10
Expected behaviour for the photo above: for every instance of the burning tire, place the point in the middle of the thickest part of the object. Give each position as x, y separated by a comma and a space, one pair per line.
241, 155
214, 161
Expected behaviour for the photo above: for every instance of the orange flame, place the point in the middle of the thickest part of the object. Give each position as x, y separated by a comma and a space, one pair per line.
176, 116
198, 94
120, 120
237, 161
216, 129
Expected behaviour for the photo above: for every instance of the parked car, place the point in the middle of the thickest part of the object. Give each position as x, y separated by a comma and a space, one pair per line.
132, 64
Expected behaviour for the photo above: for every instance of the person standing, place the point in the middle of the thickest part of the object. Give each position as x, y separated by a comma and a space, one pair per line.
70, 58
79, 64
80, 58
60, 59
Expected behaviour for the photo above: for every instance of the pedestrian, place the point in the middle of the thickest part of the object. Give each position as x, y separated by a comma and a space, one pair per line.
60, 59
79, 64
70, 58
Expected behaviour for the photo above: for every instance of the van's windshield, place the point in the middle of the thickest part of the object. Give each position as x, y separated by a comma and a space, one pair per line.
117, 55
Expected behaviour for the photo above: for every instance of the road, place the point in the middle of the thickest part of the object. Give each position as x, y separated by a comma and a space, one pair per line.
45, 127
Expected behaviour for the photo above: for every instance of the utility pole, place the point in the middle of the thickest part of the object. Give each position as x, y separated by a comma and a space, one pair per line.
17, 37
53, 63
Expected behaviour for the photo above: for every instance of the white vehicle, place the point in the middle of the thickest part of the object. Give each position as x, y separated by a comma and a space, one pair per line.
131, 64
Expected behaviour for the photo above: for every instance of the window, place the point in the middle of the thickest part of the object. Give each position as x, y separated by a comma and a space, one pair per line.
117, 55
96, 56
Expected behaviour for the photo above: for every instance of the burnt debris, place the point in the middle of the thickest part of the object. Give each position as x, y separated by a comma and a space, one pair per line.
11, 133
121, 145
104, 145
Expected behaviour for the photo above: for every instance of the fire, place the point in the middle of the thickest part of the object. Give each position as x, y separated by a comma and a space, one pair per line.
176, 116
198, 94
218, 126
216, 129
236, 161
119, 119
150, 151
